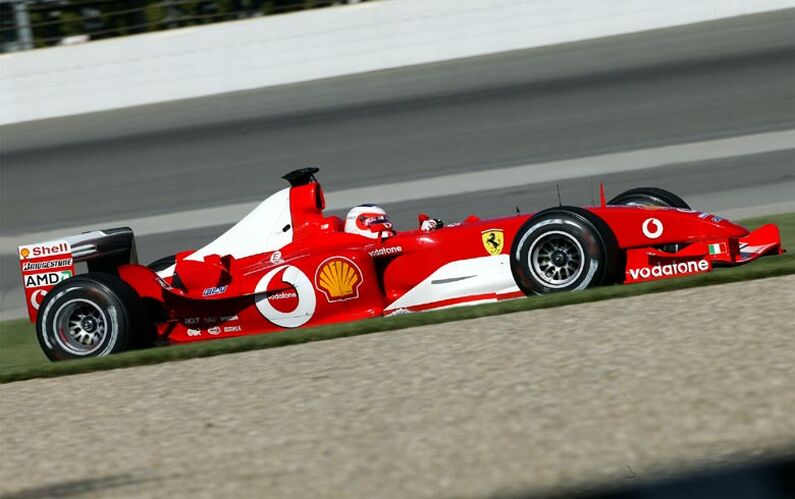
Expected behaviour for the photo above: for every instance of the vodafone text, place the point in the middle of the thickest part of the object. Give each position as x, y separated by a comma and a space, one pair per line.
389, 250
670, 269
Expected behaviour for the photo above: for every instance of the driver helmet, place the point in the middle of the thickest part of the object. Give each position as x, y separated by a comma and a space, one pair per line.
368, 220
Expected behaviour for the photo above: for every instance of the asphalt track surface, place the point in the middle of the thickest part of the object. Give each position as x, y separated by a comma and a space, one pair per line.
525, 402
707, 82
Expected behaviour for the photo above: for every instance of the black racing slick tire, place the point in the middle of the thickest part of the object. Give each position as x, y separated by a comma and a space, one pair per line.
90, 315
648, 196
564, 249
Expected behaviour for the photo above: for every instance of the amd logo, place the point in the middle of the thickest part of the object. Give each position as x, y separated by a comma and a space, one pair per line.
46, 278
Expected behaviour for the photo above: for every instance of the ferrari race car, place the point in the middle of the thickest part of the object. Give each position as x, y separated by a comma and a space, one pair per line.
285, 265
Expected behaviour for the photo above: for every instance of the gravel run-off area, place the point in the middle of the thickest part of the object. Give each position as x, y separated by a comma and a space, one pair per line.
529, 402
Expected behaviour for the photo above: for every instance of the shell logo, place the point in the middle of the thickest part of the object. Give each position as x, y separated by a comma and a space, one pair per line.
339, 279
24, 252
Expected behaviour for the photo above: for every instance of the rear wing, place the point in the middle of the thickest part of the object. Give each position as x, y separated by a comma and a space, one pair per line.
46, 264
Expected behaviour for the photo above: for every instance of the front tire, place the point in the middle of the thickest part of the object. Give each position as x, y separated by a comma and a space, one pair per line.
91, 315
649, 196
563, 249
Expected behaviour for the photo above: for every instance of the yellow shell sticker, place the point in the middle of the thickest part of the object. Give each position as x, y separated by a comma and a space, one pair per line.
493, 241
25, 252
339, 279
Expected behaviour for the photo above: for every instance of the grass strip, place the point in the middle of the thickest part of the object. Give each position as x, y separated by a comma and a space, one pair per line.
21, 357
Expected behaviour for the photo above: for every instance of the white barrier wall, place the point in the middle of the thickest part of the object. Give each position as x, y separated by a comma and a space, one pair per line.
240, 55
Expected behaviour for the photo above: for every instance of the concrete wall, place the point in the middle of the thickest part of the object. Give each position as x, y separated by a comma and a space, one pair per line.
226, 57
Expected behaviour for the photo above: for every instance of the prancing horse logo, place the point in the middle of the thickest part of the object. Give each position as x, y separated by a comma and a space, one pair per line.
493, 241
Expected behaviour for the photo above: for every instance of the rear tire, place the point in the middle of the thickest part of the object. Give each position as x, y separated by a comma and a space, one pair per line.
90, 315
649, 196
563, 249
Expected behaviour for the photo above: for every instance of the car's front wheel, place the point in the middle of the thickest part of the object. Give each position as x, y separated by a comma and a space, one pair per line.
563, 249
649, 196
90, 315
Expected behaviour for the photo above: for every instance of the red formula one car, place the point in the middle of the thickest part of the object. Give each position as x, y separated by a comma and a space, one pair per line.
286, 265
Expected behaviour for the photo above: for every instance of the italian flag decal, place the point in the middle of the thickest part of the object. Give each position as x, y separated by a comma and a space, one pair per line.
717, 248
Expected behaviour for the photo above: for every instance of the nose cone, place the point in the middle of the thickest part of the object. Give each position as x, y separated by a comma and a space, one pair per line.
722, 227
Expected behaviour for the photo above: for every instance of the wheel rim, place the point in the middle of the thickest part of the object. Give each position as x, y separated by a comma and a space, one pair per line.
556, 259
80, 326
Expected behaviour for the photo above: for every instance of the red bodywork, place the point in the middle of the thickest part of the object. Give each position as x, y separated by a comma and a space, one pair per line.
327, 276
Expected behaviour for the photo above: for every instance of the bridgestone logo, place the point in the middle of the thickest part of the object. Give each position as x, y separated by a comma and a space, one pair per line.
391, 250
54, 264
670, 269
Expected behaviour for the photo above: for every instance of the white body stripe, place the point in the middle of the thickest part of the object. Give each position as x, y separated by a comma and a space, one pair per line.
460, 279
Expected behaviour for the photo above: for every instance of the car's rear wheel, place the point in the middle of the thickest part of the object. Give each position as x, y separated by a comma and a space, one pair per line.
91, 315
649, 196
563, 249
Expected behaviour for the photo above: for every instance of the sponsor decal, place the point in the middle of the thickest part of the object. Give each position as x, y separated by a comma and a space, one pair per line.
652, 228
717, 248
36, 297
339, 279
190, 321
194, 332
43, 279
44, 249
232, 329
276, 257
285, 297
51, 264
210, 320
227, 318
717, 219
669, 269
390, 250
493, 240
43, 266
703, 215
214, 330
214, 291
